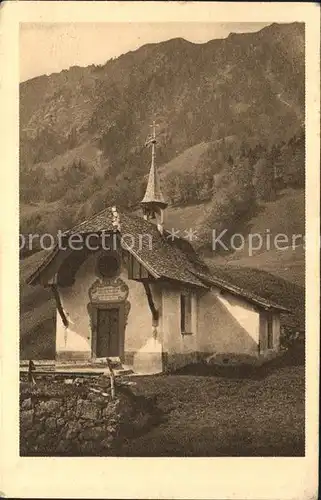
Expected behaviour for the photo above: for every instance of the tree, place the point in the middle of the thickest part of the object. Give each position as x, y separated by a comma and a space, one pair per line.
263, 181
294, 161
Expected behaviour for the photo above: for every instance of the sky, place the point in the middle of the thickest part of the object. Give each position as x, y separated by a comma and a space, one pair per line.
47, 48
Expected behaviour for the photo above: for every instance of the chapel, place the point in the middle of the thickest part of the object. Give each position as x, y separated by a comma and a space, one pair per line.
140, 296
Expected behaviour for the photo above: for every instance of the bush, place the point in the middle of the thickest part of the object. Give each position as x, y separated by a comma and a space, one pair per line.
289, 338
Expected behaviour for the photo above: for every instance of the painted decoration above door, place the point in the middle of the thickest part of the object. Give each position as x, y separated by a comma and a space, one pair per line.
108, 290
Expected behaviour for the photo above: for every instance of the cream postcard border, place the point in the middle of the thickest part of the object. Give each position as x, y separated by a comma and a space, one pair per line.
237, 478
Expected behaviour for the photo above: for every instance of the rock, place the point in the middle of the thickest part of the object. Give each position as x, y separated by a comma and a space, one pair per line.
73, 429
93, 389
78, 407
93, 433
73, 421
49, 406
28, 434
26, 404
37, 427
42, 441
85, 424
100, 401
110, 409
89, 411
92, 397
51, 423
24, 385
107, 442
60, 422
88, 448
26, 418
70, 402
127, 382
63, 446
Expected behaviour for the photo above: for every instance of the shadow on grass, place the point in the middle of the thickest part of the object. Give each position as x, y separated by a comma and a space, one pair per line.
145, 414
292, 357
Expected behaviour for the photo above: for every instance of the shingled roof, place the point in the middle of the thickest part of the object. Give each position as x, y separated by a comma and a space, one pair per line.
164, 258
153, 194
167, 258
266, 286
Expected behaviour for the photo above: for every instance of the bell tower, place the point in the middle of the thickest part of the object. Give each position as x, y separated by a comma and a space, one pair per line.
153, 203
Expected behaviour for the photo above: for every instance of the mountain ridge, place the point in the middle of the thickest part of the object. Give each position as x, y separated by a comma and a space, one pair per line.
82, 131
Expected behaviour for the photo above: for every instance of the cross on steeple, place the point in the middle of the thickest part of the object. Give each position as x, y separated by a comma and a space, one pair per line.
153, 202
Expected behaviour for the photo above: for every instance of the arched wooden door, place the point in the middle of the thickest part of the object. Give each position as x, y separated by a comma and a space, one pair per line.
108, 332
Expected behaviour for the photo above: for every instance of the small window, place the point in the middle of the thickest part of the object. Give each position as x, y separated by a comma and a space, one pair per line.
108, 266
270, 331
186, 313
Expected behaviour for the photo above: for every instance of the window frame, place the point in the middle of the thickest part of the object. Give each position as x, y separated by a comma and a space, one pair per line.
269, 331
185, 328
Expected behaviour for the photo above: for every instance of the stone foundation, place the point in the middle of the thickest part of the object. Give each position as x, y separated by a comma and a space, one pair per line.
236, 359
73, 356
174, 361
149, 359
64, 421
128, 358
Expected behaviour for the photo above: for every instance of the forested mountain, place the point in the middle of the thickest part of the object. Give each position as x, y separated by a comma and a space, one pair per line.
230, 117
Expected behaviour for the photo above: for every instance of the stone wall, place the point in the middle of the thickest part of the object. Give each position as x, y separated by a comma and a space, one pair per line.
76, 417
